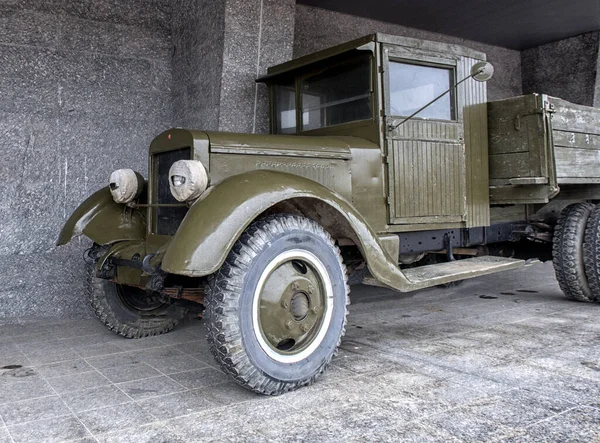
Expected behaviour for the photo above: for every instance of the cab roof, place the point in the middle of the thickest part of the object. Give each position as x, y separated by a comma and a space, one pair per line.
366, 43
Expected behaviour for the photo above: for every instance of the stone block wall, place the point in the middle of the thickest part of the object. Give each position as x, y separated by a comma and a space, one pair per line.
565, 69
85, 87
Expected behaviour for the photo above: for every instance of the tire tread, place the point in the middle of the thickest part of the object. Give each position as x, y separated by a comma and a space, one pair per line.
222, 303
567, 254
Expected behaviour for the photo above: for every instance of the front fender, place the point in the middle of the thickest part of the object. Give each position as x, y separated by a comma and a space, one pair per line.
103, 221
214, 223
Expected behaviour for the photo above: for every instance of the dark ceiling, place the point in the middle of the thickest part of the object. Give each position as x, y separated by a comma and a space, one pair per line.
517, 24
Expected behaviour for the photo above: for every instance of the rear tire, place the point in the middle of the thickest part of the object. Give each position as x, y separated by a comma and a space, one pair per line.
277, 307
129, 311
591, 252
567, 252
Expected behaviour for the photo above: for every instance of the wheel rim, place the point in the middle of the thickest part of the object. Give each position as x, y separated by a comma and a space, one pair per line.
137, 299
292, 306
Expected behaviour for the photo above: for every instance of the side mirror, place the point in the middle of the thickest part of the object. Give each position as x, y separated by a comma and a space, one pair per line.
482, 71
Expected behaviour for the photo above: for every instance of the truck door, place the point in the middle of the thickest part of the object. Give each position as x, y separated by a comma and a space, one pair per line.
426, 154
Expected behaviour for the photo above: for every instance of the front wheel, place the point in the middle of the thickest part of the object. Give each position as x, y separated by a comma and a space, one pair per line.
277, 307
129, 311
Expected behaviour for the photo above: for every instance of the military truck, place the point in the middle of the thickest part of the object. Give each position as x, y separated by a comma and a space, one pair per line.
385, 166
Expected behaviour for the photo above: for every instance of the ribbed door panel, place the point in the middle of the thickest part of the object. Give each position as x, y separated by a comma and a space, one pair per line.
430, 178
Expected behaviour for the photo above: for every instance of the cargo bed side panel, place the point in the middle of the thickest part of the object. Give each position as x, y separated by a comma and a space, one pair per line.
576, 134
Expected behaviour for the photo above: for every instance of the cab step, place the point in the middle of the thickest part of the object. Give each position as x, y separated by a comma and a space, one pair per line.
432, 275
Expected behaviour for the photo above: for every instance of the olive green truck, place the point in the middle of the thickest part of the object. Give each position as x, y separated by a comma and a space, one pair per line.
385, 166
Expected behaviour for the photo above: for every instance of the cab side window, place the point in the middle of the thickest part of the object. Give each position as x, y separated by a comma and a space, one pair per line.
413, 86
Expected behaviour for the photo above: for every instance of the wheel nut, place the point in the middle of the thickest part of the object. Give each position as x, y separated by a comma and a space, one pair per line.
295, 286
304, 327
289, 324
285, 304
311, 289
315, 310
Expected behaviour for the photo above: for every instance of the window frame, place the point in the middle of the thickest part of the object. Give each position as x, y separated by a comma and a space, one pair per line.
370, 58
299, 77
395, 54
451, 81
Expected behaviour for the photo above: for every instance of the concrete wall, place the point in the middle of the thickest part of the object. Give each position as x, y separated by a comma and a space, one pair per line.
319, 28
220, 48
85, 87
198, 36
565, 69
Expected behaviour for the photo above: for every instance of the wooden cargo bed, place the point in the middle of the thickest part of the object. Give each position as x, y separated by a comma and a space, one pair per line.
538, 143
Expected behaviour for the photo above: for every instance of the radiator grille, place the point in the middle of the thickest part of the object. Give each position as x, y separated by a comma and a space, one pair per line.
168, 219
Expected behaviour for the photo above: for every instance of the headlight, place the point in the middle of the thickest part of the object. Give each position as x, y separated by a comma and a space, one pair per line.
187, 180
125, 185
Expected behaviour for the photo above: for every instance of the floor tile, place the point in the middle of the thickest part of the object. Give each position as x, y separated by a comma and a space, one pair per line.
24, 390
48, 431
152, 433
31, 410
114, 418
200, 378
229, 393
64, 368
94, 398
150, 387
579, 424
177, 404
137, 371
4, 436
78, 381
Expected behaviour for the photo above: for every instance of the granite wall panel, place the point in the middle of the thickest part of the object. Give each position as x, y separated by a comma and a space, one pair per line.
197, 62
316, 29
85, 86
219, 50
565, 69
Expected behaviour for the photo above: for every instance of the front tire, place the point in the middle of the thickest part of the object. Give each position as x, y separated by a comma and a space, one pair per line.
277, 307
129, 311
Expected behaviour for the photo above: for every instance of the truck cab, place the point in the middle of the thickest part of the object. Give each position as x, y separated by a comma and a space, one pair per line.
434, 167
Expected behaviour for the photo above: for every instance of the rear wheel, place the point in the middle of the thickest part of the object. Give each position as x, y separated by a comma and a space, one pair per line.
129, 311
567, 252
591, 252
277, 307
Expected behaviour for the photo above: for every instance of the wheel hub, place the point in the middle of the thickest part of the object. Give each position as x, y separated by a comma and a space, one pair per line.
291, 305
299, 306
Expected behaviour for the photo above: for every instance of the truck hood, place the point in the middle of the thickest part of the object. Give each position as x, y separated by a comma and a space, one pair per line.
286, 145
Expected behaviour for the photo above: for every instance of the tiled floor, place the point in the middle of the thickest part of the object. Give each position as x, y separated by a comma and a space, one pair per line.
520, 364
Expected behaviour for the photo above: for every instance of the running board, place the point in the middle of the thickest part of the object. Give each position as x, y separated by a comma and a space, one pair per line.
432, 275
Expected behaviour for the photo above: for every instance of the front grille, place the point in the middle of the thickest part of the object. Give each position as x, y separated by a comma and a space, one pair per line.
168, 219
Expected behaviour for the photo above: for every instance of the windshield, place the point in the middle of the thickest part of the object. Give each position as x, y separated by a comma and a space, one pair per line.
333, 96
340, 94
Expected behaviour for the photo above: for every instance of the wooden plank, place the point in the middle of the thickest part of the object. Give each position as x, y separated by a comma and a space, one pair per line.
509, 166
570, 117
577, 162
576, 139
509, 195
